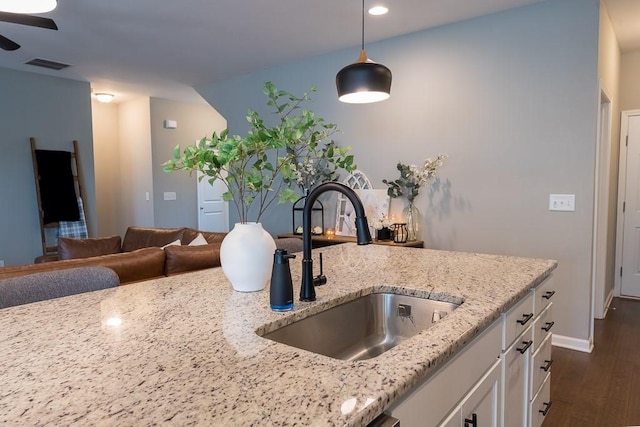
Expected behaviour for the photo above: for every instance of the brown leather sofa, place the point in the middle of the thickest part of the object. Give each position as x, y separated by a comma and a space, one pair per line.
142, 255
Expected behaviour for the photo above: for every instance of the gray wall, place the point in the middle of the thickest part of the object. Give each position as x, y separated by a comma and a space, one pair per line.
629, 81
106, 148
55, 111
510, 97
194, 122
136, 175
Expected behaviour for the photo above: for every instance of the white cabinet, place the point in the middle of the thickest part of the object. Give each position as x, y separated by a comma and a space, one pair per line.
481, 406
526, 353
434, 401
501, 379
516, 380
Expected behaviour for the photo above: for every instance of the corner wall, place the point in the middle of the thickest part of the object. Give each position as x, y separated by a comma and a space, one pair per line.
194, 122
136, 175
510, 97
609, 74
106, 146
629, 81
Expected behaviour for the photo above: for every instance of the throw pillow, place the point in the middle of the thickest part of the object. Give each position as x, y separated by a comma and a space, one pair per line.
210, 236
181, 259
69, 248
199, 240
174, 243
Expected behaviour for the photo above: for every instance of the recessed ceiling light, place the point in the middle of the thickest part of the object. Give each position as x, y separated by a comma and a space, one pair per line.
378, 10
27, 6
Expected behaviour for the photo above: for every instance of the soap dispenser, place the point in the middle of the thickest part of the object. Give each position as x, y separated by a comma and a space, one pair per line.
281, 289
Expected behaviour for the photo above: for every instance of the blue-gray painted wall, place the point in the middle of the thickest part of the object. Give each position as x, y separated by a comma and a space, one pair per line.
511, 98
55, 111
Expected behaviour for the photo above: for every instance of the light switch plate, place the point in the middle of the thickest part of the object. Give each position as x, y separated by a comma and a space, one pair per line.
170, 124
169, 195
562, 202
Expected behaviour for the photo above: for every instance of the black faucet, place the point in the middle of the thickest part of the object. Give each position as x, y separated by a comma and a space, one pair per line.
307, 289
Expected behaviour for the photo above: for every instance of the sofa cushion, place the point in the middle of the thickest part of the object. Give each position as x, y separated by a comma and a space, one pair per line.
142, 237
181, 259
69, 248
211, 236
143, 264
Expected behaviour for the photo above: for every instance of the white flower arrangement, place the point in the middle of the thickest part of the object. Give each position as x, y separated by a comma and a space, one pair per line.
380, 223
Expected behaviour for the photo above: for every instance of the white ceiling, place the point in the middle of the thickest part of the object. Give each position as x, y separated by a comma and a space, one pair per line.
162, 48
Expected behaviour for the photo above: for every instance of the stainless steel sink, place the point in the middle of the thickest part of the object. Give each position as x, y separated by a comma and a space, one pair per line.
363, 328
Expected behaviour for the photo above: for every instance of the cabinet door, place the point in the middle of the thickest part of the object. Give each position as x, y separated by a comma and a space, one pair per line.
482, 406
515, 381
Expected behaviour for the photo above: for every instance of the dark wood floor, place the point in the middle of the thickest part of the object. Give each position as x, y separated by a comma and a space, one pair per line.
600, 389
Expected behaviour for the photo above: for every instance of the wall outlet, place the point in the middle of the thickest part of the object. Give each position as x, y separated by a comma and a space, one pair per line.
1, 263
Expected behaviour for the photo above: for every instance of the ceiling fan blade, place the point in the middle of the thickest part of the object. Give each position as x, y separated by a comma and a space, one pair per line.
7, 44
33, 21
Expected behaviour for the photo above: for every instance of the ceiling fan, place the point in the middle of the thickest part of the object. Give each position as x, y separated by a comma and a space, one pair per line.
22, 19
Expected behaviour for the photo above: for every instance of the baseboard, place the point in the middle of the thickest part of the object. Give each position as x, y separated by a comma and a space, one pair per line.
608, 303
584, 346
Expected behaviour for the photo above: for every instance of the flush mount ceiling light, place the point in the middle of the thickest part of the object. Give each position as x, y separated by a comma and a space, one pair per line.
364, 81
378, 10
27, 6
104, 97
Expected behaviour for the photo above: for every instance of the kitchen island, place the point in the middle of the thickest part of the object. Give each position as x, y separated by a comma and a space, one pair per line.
184, 350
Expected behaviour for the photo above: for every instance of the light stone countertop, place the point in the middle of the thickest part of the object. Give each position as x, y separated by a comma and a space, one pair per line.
186, 351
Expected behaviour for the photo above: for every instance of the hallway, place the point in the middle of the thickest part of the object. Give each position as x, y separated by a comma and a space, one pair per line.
601, 389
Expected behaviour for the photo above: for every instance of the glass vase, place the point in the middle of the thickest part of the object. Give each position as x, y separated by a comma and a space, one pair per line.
412, 217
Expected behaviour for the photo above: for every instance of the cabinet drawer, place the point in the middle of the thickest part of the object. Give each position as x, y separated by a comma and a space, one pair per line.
544, 294
542, 327
540, 366
515, 397
517, 320
541, 404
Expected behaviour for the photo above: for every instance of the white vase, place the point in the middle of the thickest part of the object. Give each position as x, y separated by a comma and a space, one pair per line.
246, 255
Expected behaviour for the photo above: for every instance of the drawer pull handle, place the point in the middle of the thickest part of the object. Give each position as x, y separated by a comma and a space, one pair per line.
545, 411
548, 294
547, 326
525, 318
547, 365
473, 422
524, 349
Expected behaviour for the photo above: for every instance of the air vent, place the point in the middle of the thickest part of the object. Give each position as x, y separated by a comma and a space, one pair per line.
45, 63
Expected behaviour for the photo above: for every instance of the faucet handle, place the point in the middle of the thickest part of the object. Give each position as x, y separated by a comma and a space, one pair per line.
320, 279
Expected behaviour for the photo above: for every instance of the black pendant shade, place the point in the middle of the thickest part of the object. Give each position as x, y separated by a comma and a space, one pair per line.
363, 82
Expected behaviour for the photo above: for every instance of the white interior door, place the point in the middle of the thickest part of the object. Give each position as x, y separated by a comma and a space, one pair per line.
213, 212
630, 277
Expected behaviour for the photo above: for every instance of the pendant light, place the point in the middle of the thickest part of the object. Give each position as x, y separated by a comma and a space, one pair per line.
27, 6
364, 81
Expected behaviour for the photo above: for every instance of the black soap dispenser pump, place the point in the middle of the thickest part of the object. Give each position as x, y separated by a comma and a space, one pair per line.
281, 289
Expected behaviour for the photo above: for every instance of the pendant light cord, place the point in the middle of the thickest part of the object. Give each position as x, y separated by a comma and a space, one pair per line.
362, 24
